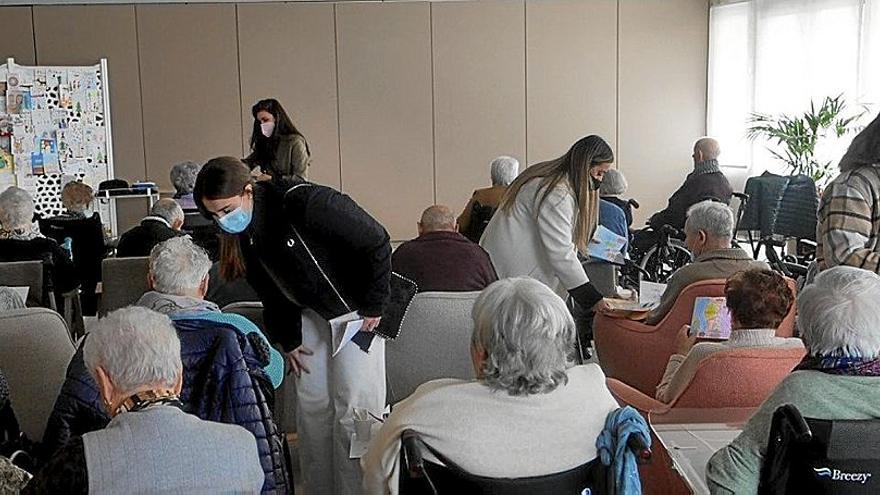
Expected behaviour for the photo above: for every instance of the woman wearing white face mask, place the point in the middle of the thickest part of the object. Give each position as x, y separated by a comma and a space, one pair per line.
278, 149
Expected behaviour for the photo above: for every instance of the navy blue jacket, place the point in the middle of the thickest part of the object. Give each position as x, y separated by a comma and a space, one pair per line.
222, 381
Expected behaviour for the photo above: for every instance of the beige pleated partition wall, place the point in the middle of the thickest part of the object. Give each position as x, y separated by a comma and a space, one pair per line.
83, 34
662, 85
385, 109
403, 103
190, 84
571, 48
17, 32
274, 64
479, 94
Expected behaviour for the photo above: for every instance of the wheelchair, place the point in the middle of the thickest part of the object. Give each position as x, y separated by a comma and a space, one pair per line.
820, 456
422, 477
659, 261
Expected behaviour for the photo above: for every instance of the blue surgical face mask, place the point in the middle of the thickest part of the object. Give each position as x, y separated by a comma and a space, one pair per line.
235, 221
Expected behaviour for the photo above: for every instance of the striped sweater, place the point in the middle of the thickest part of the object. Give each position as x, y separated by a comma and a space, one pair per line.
849, 220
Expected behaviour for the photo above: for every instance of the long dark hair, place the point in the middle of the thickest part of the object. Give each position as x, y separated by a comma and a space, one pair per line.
574, 168
262, 146
223, 177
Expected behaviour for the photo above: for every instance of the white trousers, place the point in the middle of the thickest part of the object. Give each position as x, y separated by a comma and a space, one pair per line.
325, 400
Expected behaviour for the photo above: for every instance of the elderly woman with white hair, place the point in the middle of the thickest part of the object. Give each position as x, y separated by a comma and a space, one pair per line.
838, 379
483, 203
183, 178
613, 186
151, 445
21, 241
530, 411
229, 369
179, 279
709, 230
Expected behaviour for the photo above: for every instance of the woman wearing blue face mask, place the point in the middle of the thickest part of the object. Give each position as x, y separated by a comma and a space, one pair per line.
278, 149
313, 255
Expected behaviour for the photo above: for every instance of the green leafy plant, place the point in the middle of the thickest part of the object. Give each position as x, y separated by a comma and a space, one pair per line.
796, 137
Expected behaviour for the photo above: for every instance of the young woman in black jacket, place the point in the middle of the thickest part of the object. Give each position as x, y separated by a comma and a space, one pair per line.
278, 149
317, 260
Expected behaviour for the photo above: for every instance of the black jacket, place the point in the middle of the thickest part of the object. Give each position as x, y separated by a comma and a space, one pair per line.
222, 381
697, 187
311, 246
141, 239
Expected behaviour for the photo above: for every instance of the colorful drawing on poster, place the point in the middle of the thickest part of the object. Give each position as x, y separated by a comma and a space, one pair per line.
15, 101
7, 162
37, 164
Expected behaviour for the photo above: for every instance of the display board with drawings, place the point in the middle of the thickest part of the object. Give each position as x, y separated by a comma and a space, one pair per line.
54, 128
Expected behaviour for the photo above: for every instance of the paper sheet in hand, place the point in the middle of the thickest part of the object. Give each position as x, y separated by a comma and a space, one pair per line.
711, 319
650, 292
606, 245
343, 329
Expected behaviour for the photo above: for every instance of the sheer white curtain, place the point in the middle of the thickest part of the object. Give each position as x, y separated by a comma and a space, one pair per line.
775, 56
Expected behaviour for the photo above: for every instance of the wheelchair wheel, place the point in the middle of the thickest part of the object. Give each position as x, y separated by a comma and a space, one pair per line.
660, 262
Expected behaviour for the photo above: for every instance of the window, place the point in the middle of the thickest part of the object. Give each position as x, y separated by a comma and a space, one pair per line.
775, 56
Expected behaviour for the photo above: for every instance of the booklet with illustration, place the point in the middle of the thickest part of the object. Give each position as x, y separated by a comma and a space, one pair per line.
343, 328
711, 318
606, 245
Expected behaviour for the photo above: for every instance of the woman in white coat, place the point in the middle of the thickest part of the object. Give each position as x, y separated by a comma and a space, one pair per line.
547, 216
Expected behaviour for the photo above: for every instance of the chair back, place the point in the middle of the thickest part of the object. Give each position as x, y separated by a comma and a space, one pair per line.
806, 455
434, 342
636, 353
34, 356
252, 310
27, 274
742, 377
125, 281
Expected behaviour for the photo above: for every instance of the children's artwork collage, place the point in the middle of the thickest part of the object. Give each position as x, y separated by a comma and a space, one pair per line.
52, 126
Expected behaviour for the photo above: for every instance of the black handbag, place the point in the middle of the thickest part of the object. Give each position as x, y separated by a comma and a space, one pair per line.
400, 296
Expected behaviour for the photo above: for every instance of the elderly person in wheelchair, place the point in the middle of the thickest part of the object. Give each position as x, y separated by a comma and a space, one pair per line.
838, 379
529, 412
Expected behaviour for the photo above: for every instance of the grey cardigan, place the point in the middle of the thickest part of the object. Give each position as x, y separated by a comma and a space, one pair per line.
162, 449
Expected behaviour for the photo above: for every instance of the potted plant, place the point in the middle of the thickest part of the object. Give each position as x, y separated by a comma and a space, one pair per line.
796, 137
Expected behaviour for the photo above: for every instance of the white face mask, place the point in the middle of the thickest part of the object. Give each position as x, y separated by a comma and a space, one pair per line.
267, 128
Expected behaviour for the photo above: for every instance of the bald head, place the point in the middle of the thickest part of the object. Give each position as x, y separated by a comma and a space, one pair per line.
706, 149
437, 218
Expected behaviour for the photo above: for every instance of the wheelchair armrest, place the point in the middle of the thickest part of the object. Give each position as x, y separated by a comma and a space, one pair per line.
412, 460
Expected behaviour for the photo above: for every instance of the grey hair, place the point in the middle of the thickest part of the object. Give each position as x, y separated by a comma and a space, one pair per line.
437, 217
504, 170
714, 218
183, 176
837, 313
9, 299
178, 265
167, 209
613, 184
709, 146
527, 333
16, 209
135, 346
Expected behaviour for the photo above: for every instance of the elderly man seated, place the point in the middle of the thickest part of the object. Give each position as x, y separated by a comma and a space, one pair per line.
530, 412
838, 379
183, 178
709, 229
483, 203
758, 301
163, 223
151, 445
441, 259
229, 369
